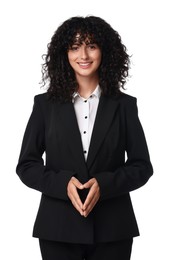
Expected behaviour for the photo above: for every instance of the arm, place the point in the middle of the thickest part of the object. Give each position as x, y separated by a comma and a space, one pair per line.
31, 169
137, 169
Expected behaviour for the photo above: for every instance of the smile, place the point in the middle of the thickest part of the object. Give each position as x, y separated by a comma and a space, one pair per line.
84, 64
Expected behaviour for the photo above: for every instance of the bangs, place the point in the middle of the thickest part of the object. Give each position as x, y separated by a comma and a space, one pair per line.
81, 36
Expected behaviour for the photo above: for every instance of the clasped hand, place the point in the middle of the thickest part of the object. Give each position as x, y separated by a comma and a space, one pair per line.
92, 197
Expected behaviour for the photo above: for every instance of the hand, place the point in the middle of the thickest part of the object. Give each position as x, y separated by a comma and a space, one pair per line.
72, 187
92, 197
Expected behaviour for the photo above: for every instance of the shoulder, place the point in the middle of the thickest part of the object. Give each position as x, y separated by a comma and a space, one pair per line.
127, 99
46, 105
128, 105
45, 99
41, 98
127, 102
124, 99
42, 103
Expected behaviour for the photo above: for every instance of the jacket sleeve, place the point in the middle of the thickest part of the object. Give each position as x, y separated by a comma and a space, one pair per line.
31, 168
137, 169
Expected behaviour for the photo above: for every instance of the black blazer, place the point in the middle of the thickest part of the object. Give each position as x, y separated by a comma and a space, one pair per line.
53, 129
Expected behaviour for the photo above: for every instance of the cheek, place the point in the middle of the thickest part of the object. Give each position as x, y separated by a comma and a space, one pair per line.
70, 57
98, 57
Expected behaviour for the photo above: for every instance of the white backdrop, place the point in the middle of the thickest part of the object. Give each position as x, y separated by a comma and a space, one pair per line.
26, 28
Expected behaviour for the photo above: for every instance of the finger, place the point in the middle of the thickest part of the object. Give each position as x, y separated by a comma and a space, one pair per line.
76, 205
74, 195
88, 199
94, 189
91, 205
88, 184
77, 183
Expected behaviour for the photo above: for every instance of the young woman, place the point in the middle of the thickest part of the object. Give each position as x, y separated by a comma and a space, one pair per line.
84, 124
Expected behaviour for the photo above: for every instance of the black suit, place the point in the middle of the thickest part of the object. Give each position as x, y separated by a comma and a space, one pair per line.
53, 128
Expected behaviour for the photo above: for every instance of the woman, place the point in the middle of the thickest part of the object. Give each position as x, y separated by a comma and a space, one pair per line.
85, 124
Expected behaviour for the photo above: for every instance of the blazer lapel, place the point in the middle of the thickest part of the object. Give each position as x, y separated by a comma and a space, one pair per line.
72, 133
105, 114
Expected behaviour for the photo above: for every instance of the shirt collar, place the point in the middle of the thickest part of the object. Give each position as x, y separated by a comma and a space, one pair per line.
96, 93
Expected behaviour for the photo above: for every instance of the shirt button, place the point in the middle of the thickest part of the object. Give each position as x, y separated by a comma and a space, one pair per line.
85, 101
85, 151
84, 132
85, 117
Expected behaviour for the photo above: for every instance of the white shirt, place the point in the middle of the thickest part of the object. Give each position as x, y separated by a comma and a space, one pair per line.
86, 110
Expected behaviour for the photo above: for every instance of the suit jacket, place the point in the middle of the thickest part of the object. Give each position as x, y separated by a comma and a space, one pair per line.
52, 129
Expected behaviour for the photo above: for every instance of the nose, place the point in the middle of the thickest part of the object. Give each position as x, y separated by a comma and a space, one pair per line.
84, 52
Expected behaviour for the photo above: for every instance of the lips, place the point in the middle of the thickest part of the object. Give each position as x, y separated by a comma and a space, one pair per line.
84, 65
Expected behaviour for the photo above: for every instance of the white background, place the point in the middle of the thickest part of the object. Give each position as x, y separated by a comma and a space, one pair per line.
26, 28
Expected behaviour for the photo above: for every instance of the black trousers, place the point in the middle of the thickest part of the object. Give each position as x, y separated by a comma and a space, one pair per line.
120, 250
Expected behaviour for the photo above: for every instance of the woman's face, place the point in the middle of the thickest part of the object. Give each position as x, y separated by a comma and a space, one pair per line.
85, 59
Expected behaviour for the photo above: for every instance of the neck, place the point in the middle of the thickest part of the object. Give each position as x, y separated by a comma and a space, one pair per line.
87, 86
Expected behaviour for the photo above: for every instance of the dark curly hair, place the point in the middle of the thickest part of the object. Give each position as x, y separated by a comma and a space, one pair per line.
59, 75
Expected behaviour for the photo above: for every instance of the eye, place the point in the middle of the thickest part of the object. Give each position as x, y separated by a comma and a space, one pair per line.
92, 46
74, 47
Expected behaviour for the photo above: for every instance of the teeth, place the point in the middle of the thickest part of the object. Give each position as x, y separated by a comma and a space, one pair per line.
84, 64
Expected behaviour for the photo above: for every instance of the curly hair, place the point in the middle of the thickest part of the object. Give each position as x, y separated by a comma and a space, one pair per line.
59, 75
